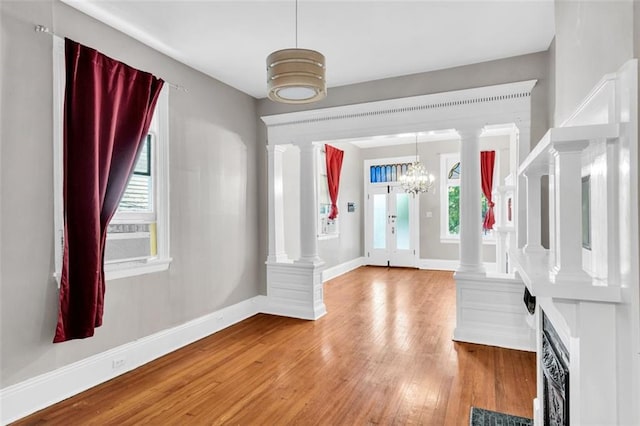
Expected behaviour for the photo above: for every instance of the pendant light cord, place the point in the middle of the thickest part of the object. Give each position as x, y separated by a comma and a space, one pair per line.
416, 147
296, 24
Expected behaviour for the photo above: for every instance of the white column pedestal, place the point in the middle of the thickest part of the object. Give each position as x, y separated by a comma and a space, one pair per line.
295, 290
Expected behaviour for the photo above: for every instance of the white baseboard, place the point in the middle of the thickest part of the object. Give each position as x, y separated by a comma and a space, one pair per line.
275, 307
438, 264
39, 392
448, 265
343, 268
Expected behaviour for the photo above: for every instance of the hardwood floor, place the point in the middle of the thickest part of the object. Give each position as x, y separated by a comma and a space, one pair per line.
382, 355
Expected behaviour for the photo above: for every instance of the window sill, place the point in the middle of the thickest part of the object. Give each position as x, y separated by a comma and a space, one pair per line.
324, 237
117, 271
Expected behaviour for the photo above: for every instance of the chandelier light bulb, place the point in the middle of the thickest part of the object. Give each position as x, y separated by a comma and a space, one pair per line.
417, 179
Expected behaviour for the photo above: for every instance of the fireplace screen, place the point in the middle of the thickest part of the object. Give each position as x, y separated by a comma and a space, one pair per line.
555, 370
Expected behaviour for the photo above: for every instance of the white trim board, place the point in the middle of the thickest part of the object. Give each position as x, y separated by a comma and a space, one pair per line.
343, 268
448, 265
39, 392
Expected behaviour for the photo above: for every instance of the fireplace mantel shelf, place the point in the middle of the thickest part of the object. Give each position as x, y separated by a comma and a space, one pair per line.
557, 138
533, 268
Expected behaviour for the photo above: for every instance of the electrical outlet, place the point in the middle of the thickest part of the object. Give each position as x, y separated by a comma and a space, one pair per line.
118, 363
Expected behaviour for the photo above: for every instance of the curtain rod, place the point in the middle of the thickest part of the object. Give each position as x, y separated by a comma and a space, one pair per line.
46, 30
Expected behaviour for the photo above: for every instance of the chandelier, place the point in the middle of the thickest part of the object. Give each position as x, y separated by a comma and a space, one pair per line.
296, 76
417, 179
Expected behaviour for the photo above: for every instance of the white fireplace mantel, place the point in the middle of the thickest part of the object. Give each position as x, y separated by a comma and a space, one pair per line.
589, 290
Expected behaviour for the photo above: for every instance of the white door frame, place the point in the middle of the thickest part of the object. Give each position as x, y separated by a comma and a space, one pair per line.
370, 253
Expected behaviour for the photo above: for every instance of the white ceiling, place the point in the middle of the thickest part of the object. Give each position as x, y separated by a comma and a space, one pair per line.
362, 40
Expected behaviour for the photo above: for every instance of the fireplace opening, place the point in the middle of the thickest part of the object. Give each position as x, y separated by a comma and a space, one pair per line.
555, 371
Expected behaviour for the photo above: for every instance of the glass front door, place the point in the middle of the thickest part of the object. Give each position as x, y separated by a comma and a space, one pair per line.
391, 227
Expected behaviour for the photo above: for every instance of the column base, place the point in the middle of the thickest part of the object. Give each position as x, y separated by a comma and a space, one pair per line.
316, 261
278, 258
533, 248
471, 269
558, 274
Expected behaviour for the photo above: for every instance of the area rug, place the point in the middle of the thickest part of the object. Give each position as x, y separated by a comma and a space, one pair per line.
481, 417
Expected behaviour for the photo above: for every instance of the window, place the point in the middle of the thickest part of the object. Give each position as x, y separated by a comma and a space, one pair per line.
450, 199
327, 228
138, 235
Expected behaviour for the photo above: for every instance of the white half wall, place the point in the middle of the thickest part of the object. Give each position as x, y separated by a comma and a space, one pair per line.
491, 311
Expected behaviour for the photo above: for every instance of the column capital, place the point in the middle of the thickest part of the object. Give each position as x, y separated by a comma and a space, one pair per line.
568, 147
276, 148
305, 146
470, 132
523, 126
535, 172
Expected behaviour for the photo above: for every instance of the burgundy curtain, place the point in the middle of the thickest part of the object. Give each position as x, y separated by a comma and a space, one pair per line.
107, 113
334, 166
487, 162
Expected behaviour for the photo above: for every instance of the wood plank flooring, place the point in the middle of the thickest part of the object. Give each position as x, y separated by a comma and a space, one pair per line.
382, 355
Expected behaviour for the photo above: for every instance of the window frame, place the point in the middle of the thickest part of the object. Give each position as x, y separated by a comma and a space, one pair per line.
159, 129
448, 160
322, 182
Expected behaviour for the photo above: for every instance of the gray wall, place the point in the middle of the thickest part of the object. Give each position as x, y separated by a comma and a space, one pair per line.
350, 244
213, 185
593, 38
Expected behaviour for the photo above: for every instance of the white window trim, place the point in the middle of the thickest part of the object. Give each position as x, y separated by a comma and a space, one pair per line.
320, 180
445, 236
160, 127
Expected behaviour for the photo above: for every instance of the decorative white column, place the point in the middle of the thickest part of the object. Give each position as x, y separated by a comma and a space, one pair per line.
523, 147
567, 194
534, 204
308, 205
294, 289
470, 208
275, 191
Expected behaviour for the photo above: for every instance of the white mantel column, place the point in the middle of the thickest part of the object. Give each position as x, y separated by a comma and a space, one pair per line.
523, 147
308, 205
470, 208
275, 191
534, 205
567, 194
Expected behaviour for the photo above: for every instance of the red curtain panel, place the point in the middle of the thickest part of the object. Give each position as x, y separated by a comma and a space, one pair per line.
487, 162
107, 113
334, 166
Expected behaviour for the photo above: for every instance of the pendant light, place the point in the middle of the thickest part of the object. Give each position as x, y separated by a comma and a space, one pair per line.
417, 179
296, 76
